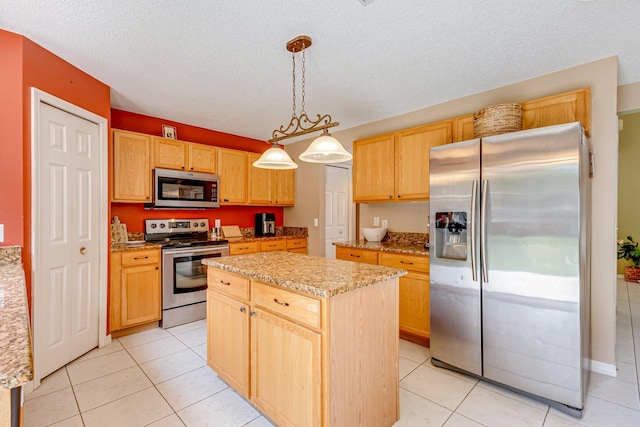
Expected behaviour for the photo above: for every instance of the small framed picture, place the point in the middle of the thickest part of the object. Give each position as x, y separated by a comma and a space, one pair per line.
169, 132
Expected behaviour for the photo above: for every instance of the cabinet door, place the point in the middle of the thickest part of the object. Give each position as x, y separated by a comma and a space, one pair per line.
170, 153
463, 128
414, 304
285, 370
228, 340
131, 167
259, 182
203, 158
232, 167
140, 294
412, 158
373, 169
557, 109
284, 187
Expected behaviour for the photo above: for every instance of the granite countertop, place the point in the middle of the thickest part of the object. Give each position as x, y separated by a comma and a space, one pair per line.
16, 364
310, 274
131, 246
395, 247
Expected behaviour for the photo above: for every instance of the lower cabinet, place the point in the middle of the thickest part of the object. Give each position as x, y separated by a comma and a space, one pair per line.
135, 288
298, 245
277, 348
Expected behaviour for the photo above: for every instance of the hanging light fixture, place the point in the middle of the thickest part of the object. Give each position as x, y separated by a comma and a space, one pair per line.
324, 149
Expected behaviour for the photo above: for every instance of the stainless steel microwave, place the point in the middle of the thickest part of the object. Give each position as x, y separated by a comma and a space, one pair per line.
184, 190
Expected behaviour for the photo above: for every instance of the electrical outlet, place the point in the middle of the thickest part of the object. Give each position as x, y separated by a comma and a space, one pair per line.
217, 223
315, 222
384, 223
1, 233
376, 221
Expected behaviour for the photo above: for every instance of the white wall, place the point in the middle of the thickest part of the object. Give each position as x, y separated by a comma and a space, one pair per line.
601, 77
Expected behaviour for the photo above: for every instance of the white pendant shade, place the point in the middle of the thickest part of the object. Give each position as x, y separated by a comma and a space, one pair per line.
325, 149
275, 158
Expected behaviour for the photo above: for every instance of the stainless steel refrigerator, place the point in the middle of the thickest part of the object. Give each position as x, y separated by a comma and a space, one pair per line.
509, 273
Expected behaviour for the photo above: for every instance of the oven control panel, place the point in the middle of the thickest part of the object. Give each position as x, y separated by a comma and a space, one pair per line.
164, 226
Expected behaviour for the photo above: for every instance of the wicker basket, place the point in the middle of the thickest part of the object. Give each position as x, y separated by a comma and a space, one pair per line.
497, 119
632, 274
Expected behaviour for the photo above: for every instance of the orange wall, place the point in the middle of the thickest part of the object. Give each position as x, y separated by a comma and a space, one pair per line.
134, 214
29, 65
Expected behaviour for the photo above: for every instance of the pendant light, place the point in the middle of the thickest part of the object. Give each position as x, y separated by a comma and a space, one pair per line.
324, 149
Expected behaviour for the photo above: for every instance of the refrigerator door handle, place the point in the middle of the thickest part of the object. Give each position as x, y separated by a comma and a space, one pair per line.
472, 231
483, 231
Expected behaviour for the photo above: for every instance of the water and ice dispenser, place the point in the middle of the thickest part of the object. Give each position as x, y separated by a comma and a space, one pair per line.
451, 235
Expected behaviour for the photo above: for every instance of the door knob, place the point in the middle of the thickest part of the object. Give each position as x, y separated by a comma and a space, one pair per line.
83, 250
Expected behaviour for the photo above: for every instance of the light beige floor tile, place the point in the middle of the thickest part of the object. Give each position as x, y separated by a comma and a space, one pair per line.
443, 389
494, 409
625, 351
50, 408
418, 411
52, 382
191, 387
155, 349
173, 365
626, 372
108, 388
187, 327
459, 375
171, 421
554, 420
260, 422
598, 413
614, 390
226, 408
457, 420
75, 421
406, 366
413, 351
193, 337
138, 409
143, 337
101, 351
201, 350
90, 369
514, 395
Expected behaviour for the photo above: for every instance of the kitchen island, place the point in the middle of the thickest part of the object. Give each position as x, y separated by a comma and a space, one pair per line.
309, 341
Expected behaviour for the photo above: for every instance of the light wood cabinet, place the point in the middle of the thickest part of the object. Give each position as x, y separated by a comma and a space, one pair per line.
305, 367
291, 245
395, 167
232, 168
183, 155
135, 288
269, 187
240, 248
132, 159
463, 128
272, 245
297, 245
413, 288
556, 109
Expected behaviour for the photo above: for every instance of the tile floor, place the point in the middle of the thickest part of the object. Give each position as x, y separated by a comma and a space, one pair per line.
160, 378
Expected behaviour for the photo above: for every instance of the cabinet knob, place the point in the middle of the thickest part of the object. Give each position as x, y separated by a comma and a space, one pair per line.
390, 196
399, 196
242, 309
147, 197
191, 168
182, 167
252, 313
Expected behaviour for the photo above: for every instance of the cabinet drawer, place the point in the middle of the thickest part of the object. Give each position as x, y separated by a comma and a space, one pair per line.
148, 256
228, 283
296, 243
358, 255
293, 306
273, 245
243, 248
408, 262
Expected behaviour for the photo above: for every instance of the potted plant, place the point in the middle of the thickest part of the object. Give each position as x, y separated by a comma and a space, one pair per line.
630, 251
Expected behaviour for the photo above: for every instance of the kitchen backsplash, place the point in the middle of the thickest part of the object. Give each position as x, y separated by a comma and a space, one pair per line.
250, 232
10, 255
406, 238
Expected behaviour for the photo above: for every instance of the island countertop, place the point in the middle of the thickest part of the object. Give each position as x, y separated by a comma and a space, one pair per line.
393, 247
309, 274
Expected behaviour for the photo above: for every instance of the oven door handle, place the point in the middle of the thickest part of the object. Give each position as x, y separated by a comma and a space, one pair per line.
188, 251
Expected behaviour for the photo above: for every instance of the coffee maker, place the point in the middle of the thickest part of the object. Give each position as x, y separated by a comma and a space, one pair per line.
265, 224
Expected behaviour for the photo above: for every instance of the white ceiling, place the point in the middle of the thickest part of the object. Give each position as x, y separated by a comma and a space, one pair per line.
223, 65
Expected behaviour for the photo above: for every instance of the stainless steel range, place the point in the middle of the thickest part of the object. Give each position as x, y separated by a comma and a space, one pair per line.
185, 243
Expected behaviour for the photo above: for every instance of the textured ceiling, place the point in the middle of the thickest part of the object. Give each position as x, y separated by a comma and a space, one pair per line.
223, 65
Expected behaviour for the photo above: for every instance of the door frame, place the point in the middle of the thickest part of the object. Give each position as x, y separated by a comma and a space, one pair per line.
38, 96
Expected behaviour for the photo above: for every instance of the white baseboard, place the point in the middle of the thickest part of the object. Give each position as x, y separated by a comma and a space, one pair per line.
604, 368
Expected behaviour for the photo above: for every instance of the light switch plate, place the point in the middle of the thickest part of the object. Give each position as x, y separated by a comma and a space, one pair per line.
376, 221
384, 223
1, 233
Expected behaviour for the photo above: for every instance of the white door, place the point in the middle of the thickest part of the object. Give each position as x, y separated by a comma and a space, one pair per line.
337, 207
67, 238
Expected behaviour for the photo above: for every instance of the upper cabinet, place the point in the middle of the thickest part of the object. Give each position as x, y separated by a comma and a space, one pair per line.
132, 158
232, 168
463, 128
556, 109
269, 186
182, 155
395, 167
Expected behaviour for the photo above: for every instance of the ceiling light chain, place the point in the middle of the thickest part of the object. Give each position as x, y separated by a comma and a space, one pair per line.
293, 60
302, 111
